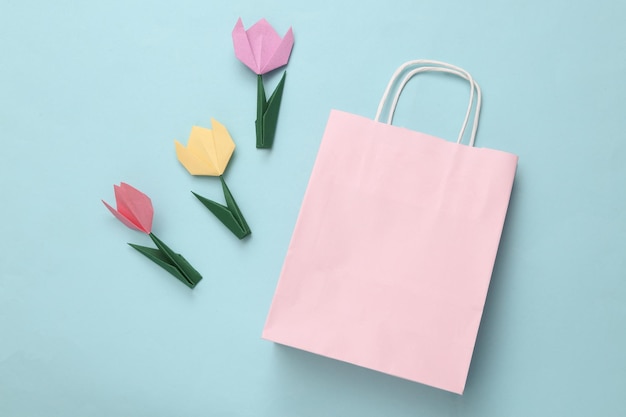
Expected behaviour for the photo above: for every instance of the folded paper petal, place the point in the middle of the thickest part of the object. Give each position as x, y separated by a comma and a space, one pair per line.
208, 151
134, 208
260, 48
201, 143
224, 146
264, 40
281, 55
121, 218
243, 50
196, 157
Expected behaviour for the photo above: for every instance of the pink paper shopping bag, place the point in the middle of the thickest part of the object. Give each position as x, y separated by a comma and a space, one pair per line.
393, 250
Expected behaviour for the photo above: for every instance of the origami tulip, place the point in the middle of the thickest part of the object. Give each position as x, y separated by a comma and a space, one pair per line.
134, 209
260, 47
262, 50
207, 153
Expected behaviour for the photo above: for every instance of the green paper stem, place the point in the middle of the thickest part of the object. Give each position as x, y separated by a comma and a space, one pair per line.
230, 214
261, 105
267, 113
172, 262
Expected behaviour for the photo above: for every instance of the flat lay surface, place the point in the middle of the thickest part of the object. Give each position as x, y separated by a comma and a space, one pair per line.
96, 93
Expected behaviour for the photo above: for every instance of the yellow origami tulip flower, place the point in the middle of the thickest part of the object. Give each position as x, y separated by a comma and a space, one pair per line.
207, 153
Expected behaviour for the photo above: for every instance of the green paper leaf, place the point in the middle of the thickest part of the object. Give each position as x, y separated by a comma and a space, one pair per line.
177, 260
270, 117
225, 215
267, 113
234, 208
157, 257
164, 261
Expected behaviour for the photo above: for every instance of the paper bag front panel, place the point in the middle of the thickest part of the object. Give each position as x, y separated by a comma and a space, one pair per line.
393, 250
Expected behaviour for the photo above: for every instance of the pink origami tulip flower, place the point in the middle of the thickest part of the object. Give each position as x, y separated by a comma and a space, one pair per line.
134, 209
262, 50
260, 47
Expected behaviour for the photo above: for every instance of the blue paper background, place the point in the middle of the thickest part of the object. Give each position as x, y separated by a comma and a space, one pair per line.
94, 93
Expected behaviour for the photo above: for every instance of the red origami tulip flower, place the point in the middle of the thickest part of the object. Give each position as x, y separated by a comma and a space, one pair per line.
134, 209
262, 50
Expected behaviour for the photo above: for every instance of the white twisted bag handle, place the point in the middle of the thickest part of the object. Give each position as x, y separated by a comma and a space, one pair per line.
425, 65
